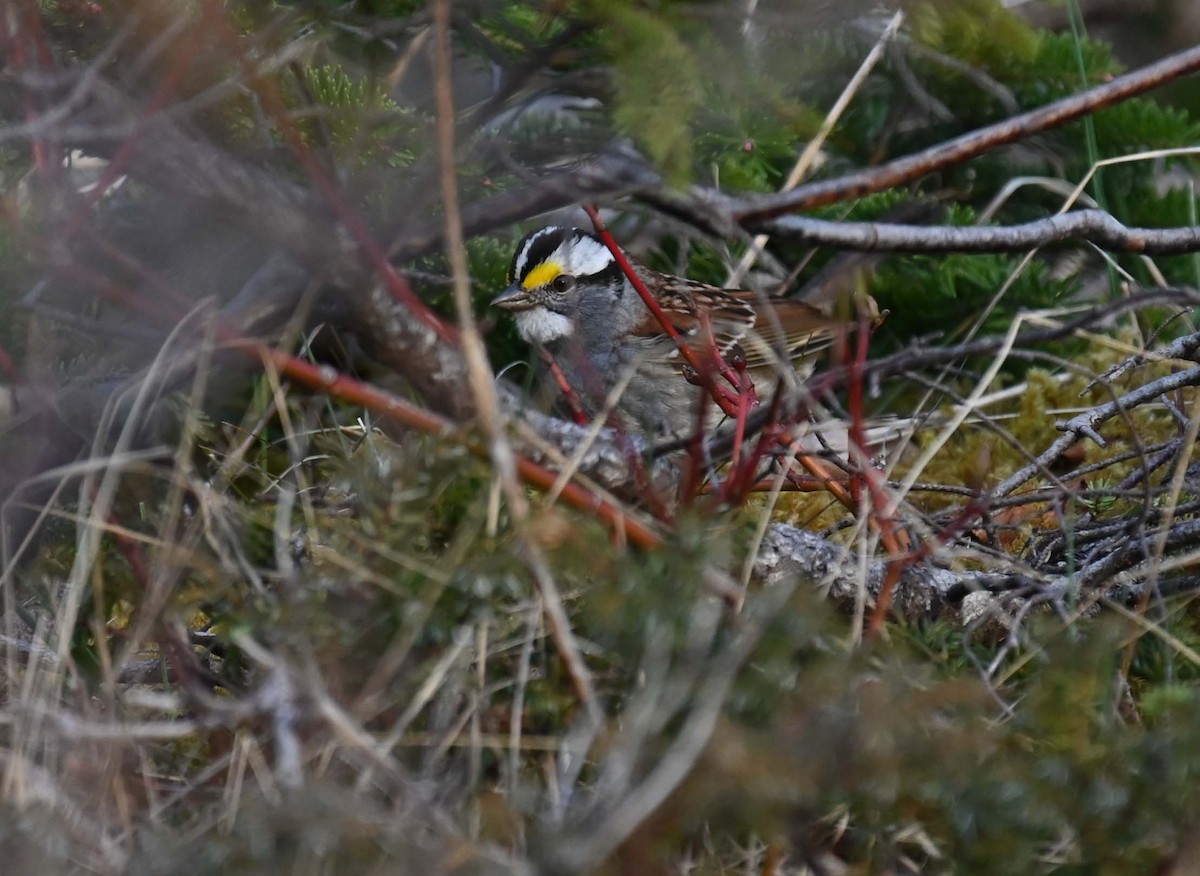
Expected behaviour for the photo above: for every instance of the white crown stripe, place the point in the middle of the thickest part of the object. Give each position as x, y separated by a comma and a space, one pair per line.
581, 256
519, 270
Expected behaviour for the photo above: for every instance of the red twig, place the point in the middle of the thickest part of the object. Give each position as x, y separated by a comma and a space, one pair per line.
564, 386
898, 560
637, 464
703, 370
8, 367
25, 45
693, 475
132, 552
326, 380
739, 478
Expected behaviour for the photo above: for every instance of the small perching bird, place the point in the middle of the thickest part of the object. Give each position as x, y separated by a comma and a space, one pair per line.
569, 296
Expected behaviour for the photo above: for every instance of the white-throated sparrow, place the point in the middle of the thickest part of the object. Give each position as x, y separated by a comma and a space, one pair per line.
569, 296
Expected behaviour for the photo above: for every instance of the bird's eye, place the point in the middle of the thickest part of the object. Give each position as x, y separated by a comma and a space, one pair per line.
562, 283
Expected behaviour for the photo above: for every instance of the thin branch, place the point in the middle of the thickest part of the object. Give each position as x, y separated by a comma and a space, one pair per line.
960, 149
1086, 226
1085, 425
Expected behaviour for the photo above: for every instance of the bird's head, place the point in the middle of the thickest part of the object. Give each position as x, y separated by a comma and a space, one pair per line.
552, 268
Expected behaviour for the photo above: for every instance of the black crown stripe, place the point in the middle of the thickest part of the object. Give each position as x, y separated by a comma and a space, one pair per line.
541, 244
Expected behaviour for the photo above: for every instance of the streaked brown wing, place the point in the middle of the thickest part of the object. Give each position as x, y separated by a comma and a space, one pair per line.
761, 329
792, 328
689, 305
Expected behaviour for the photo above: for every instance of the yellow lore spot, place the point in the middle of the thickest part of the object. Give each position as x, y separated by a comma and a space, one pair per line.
541, 275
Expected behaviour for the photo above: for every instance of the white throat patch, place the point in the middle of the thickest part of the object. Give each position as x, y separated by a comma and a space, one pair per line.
541, 326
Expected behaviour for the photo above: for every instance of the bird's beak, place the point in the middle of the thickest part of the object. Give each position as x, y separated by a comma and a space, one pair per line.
514, 298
